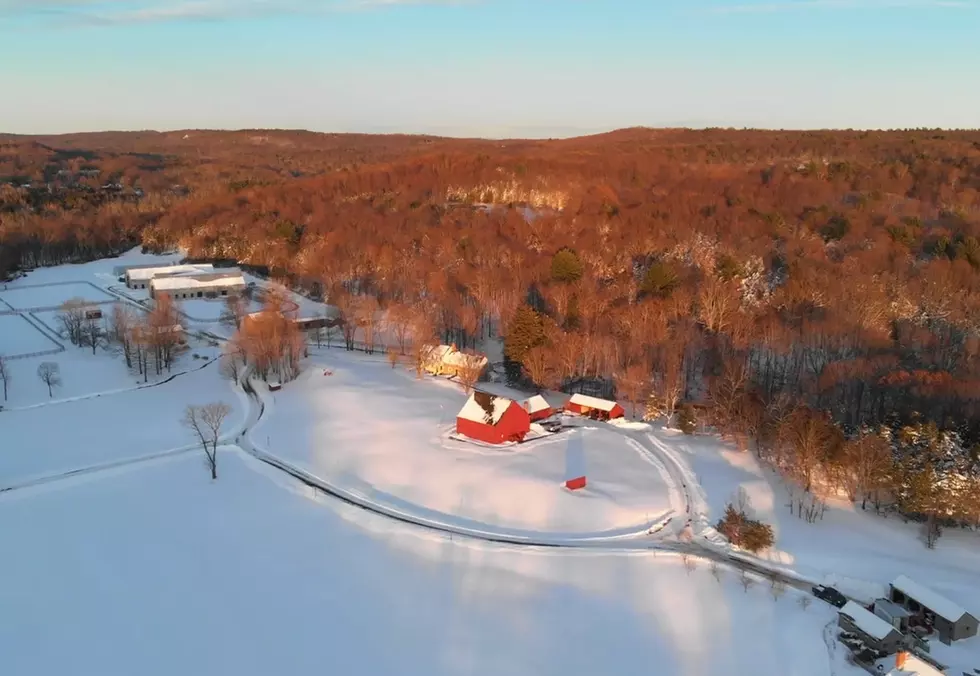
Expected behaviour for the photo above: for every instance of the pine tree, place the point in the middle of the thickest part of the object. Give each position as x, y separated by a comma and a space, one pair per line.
687, 419
526, 331
659, 280
566, 266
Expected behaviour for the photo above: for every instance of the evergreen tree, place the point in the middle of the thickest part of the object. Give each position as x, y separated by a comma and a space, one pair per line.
687, 419
526, 331
566, 266
660, 280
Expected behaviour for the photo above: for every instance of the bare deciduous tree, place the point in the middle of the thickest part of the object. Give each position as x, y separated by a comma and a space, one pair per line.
690, 563
206, 421
4, 376
50, 375
715, 571
805, 601
776, 588
746, 581
71, 318
469, 371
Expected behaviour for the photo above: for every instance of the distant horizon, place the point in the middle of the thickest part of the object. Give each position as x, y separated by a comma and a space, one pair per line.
460, 135
488, 68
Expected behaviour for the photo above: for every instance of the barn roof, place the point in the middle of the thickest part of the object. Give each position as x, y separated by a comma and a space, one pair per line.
938, 604
484, 408
592, 402
866, 621
141, 274
537, 403
203, 281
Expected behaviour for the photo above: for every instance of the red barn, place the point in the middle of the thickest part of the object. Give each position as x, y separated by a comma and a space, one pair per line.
538, 408
593, 407
495, 420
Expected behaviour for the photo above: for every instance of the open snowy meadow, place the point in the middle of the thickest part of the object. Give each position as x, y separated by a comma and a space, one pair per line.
382, 433
121, 555
156, 566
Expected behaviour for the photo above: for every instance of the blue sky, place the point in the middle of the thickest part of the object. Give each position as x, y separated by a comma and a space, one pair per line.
487, 67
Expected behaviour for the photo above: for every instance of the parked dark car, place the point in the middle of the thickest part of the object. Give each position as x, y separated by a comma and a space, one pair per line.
830, 595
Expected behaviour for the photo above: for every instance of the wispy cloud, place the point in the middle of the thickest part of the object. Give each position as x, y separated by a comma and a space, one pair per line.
799, 5
109, 12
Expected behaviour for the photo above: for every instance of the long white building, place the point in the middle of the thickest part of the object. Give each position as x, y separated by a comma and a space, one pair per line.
139, 278
203, 285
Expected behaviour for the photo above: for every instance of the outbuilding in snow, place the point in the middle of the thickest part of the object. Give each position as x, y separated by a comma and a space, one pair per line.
874, 631
907, 664
209, 285
140, 277
949, 620
492, 419
538, 408
593, 407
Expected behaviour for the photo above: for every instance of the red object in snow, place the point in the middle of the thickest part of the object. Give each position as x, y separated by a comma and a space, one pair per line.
494, 420
593, 407
575, 484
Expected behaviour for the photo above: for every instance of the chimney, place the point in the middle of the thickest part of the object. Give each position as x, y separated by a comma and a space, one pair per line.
900, 658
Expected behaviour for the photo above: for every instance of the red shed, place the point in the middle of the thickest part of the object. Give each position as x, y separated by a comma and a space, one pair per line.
495, 420
593, 407
538, 408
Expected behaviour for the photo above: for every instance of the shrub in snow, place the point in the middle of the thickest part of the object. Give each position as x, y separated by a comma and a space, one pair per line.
687, 419
741, 531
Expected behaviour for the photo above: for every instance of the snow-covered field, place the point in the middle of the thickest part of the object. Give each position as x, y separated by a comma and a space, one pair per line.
18, 337
53, 439
24, 296
156, 569
859, 552
120, 554
383, 434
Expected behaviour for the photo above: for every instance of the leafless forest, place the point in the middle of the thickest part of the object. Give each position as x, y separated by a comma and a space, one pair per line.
810, 295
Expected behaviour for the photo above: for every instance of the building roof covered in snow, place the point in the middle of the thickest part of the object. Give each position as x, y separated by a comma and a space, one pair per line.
866, 621
937, 603
484, 408
218, 279
463, 359
592, 402
907, 664
146, 274
537, 403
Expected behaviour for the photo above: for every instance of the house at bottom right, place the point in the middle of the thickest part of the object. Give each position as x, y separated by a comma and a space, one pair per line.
945, 617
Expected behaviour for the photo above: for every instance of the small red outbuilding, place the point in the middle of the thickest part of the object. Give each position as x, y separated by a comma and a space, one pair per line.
593, 407
494, 420
538, 408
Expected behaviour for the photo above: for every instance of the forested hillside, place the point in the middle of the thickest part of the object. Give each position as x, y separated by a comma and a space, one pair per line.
816, 292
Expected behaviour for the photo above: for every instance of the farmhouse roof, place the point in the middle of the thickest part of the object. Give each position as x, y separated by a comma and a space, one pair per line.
457, 358
592, 402
937, 603
537, 403
473, 411
218, 279
913, 666
866, 621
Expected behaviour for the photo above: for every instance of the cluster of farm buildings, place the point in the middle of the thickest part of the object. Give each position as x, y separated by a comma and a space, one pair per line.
897, 625
185, 281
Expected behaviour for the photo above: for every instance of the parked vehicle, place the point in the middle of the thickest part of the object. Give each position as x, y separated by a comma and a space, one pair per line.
830, 595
